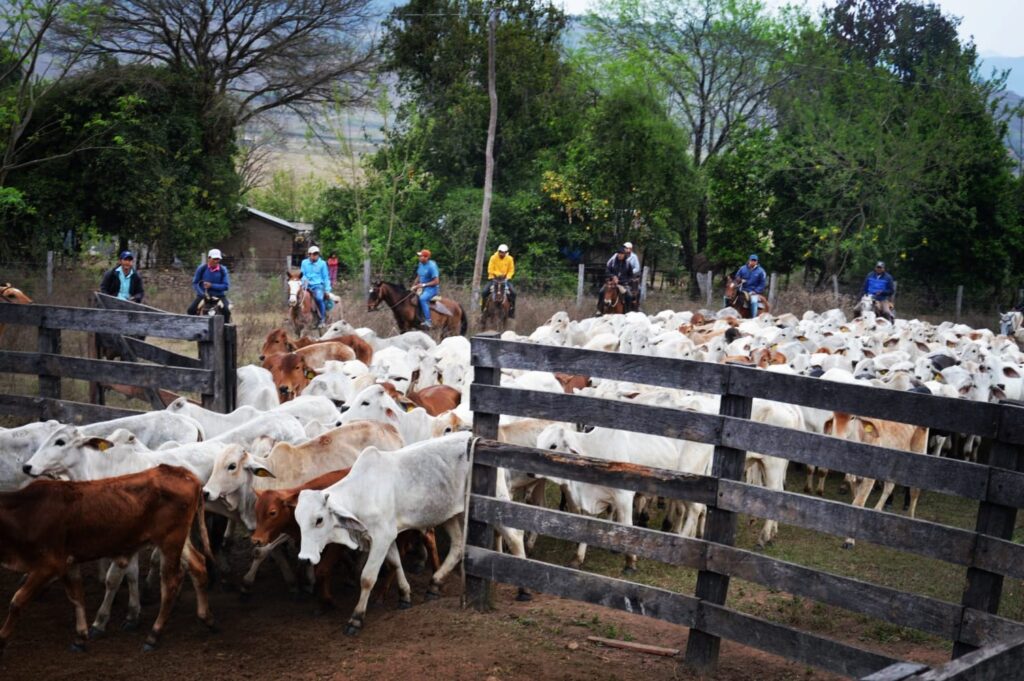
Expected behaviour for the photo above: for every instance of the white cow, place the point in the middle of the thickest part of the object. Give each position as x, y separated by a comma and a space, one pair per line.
273, 425
17, 445
256, 388
213, 423
152, 428
374, 404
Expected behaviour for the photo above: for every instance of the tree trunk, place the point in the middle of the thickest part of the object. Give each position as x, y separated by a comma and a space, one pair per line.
492, 128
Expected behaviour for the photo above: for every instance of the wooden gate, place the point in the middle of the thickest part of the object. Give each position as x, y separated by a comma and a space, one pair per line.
986, 554
119, 324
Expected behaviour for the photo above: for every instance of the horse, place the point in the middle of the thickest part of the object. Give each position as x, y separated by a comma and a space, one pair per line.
1010, 322
212, 305
301, 306
448, 315
9, 294
869, 304
612, 300
496, 306
740, 301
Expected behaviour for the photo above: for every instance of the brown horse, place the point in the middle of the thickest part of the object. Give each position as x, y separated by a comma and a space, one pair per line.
612, 300
496, 306
301, 306
447, 314
9, 294
740, 301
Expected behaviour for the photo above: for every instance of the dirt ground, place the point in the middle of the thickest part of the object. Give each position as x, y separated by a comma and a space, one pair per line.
275, 635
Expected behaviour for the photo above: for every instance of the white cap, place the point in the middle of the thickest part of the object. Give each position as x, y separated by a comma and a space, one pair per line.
312, 250
214, 253
628, 245
503, 248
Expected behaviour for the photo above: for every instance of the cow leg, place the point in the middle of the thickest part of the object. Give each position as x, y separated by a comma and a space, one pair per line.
823, 474
774, 476
887, 488
809, 483
76, 594
404, 590
517, 548
170, 583
430, 542
155, 559
322, 576
115, 575
196, 566
33, 583
915, 494
581, 556
378, 552
860, 497
536, 498
623, 514
453, 528
259, 555
286, 569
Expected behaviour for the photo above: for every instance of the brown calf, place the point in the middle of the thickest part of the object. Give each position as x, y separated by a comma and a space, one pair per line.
50, 527
278, 342
572, 382
290, 372
436, 399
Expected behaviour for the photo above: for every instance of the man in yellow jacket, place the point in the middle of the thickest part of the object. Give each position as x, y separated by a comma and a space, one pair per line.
501, 264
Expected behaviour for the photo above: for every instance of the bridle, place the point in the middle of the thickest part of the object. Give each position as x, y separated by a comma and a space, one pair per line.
5, 289
378, 298
614, 301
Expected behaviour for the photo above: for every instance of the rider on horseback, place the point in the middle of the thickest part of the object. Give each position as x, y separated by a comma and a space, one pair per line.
501, 264
753, 279
880, 287
427, 284
317, 280
211, 279
623, 271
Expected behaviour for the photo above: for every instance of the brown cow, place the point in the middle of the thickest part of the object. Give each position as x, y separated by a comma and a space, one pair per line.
278, 342
275, 515
290, 372
436, 399
50, 527
572, 382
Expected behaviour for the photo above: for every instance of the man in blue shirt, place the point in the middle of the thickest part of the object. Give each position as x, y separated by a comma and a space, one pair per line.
754, 280
123, 281
211, 277
427, 284
316, 278
879, 285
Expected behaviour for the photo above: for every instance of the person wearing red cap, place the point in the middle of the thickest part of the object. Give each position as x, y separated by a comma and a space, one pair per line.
427, 284
123, 281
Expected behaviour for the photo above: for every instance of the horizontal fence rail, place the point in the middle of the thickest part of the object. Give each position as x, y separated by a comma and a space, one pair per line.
986, 552
159, 324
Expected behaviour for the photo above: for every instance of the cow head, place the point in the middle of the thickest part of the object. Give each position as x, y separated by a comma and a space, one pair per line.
322, 523
64, 450
233, 469
275, 510
291, 374
277, 342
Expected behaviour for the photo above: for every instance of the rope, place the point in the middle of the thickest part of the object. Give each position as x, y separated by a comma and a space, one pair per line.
471, 447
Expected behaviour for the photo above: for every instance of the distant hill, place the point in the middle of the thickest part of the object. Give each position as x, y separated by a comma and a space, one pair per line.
1015, 80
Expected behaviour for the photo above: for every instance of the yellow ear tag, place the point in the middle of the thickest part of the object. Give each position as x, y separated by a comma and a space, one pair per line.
410, 407
868, 428
310, 374
103, 445
937, 377
261, 473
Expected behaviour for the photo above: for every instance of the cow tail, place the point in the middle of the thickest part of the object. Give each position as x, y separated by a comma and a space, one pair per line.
199, 525
463, 323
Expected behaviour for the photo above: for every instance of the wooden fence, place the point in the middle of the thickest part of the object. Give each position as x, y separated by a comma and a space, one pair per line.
119, 325
986, 553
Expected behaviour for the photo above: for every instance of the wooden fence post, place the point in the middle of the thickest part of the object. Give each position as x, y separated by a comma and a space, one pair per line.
984, 589
959, 301
366, 276
644, 278
230, 367
211, 354
835, 289
49, 273
49, 342
771, 291
580, 275
482, 480
710, 278
728, 463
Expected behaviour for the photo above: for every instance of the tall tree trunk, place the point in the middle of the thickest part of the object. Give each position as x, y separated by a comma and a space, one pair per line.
492, 129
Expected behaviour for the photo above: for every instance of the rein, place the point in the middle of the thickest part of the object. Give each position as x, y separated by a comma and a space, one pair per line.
400, 301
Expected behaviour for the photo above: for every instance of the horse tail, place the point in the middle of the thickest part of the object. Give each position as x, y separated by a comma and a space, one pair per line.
463, 322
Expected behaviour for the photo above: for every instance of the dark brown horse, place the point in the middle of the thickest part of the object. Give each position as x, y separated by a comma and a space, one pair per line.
740, 301
496, 306
446, 314
612, 300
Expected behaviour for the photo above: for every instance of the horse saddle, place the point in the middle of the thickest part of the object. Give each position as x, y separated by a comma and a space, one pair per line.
436, 304
622, 289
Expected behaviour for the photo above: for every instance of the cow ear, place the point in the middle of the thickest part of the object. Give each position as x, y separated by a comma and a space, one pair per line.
1010, 372
258, 469
998, 393
99, 443
827, 428
349, 522
290, 346
390, 413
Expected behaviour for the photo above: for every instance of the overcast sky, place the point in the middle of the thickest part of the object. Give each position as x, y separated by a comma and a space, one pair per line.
995, 24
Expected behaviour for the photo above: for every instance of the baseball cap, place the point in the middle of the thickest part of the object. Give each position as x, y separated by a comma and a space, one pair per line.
503, 248
879, 264
423, 252
127, 255
628, 244
753, 256
214, 253
312, 250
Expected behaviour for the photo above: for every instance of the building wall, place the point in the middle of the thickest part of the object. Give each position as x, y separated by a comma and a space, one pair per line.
255, 238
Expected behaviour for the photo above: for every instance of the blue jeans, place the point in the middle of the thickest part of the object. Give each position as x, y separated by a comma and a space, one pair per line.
318, 296
425, 295
755, 299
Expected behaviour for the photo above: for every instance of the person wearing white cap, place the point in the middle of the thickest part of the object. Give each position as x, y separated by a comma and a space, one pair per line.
211, 278
634, 261
501, 264
317, 280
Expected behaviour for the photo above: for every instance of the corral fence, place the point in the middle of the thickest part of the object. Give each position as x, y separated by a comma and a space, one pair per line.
988, 556
119, 327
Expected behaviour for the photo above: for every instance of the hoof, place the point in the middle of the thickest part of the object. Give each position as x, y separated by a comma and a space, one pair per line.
629, 570
666, 526
417, 568
148, 647
130, 625
244, 596
77, 647
524, 596
95, 633
211, 626
847, 544
433, 594
404, 605
820, 493
575, 564
353, 628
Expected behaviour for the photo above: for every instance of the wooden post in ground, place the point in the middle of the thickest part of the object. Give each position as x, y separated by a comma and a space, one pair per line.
644, 278
211, 354
728, 464
581, 274
49, 343
771, 291
49, 273
710, 278
959, 301
366, 277
835, 289
483, 480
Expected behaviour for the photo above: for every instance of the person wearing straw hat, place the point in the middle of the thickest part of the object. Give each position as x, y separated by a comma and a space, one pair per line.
501, 264
211, 278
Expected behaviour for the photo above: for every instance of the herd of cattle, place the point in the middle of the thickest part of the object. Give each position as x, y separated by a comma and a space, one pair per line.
356, 443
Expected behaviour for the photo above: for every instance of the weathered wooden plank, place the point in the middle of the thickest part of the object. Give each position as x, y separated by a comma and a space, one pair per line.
669, 373
49, 381
231, 367
154, 353
896, 672
924, 538
998, 662
727, 463
211, 354
1006, 488
949, 476
162, 325
993, 558
65, 411
107, 371
635, 647
671, 484
639, 418
787, 642
114, 303
982, 628
893, 606
582, 586
660, 546
483, 480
